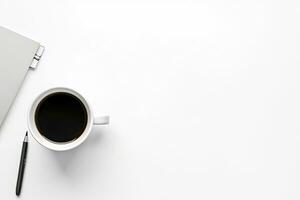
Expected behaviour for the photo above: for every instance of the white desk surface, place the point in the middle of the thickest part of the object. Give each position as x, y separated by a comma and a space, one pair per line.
204, 99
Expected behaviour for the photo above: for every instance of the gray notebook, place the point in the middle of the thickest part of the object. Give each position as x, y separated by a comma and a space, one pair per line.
17, 55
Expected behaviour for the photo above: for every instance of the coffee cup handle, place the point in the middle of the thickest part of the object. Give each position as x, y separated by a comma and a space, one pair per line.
101, 120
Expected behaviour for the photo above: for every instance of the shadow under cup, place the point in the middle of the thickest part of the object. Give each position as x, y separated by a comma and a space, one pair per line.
61, 117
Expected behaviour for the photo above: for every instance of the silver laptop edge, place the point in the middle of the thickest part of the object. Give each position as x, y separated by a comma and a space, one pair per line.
17, 55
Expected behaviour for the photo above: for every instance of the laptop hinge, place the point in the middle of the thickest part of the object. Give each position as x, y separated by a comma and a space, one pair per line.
37, 57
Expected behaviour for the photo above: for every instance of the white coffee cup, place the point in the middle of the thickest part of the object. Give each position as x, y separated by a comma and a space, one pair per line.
63, 146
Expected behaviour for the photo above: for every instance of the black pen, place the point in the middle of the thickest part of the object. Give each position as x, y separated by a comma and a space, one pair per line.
22, 165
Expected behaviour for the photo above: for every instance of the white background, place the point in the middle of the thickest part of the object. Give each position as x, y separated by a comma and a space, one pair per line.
204, 99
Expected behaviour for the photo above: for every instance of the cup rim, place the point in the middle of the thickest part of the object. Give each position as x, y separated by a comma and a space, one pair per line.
56, 146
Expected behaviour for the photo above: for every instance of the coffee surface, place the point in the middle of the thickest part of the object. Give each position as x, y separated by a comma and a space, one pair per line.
61, 117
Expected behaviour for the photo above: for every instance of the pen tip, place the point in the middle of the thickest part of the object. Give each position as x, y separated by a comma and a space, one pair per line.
26, 137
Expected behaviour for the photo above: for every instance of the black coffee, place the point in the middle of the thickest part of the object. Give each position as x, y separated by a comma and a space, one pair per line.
61, 117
